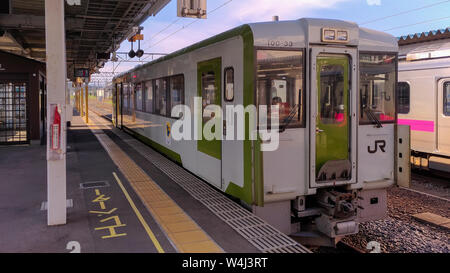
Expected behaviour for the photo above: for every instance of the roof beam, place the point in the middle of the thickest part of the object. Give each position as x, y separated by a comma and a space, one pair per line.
16, 21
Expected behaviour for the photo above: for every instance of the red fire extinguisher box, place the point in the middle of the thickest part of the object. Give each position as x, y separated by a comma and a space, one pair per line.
55, 142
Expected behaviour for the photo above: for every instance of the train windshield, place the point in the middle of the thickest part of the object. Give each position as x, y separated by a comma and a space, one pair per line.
377, 88
280, 82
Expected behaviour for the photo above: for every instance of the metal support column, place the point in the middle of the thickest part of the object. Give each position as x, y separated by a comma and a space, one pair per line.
79, 101
87, 102
82, 102
76, 99
56, 100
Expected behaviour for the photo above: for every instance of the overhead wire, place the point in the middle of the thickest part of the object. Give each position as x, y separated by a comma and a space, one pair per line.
186, 26
404, 12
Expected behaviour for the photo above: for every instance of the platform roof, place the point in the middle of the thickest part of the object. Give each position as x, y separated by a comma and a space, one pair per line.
427, 36
96, 26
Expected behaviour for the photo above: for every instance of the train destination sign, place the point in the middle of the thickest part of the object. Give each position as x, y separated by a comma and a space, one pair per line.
81, 73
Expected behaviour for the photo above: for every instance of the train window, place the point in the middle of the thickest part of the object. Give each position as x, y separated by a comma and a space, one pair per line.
176, 92
447, 98
125, 97
209, 93
280, 82
138, 96
377, 87
148, 96
403, 94
160, 97
229, 84
333, 97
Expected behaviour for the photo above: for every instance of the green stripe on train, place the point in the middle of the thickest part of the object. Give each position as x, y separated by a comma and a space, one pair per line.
169, 153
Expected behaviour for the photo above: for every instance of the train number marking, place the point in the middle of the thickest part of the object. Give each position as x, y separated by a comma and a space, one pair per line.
378, 144
282, 43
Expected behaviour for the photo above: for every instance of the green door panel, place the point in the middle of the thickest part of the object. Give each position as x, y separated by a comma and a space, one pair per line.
209, 72
332, 122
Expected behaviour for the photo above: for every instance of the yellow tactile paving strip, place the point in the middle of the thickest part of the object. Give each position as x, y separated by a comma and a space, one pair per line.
184, 233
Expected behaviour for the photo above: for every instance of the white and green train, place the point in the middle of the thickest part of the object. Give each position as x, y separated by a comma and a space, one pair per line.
334, 85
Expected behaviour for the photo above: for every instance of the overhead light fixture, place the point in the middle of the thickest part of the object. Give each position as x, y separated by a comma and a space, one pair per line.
139, 53
131, 54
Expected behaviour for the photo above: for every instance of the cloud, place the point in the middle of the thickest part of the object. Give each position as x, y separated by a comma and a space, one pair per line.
263, 10
374, 2
237, 13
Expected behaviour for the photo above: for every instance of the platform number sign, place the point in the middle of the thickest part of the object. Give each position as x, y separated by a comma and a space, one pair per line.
191, 8
373, 247
74, 247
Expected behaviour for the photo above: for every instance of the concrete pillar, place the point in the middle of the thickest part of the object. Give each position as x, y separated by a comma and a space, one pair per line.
56, 95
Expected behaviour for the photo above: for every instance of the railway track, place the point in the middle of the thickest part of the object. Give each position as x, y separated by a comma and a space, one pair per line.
431, 183
341, 247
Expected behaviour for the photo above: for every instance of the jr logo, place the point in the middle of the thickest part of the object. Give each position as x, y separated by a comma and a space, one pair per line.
378, 144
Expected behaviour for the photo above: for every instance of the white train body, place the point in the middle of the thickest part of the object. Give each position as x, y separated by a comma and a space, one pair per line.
333, 163
424, 101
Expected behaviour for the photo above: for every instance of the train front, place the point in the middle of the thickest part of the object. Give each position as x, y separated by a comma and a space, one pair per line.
334, 84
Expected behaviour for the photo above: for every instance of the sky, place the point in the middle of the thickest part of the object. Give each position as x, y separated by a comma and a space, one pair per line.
165, 32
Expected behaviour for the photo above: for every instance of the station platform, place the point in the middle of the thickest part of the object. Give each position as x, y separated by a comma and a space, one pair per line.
122, 197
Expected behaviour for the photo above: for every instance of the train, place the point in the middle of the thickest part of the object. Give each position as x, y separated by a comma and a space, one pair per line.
424, 102
328, 89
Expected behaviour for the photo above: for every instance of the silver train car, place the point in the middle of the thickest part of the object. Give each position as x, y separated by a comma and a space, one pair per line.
334, 85
424, 102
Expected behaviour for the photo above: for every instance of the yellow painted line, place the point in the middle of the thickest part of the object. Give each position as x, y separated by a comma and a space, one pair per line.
181, 230
139, 216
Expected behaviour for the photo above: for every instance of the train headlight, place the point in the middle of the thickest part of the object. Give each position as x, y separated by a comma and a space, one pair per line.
342, 36
329, 35
332, 35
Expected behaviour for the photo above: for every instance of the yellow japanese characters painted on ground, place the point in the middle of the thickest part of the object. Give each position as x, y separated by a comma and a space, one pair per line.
101, 200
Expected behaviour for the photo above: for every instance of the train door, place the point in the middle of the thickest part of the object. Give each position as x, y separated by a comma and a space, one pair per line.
232, 148
444, 116
209, 89
332, 151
